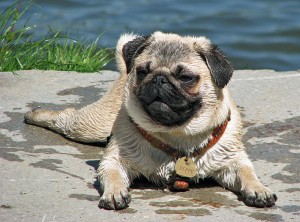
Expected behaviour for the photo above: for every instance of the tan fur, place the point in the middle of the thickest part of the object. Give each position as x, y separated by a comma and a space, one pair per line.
129, 155
87, 124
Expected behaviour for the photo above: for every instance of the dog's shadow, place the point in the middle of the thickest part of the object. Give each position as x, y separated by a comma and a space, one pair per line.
143, 183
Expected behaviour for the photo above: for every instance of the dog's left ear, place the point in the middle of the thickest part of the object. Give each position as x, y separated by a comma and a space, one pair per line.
126, 49
132, 49
219, 66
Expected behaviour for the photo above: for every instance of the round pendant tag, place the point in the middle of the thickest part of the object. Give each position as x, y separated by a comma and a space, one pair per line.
185, 167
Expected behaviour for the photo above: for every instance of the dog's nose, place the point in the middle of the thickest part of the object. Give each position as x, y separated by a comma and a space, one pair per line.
159, 79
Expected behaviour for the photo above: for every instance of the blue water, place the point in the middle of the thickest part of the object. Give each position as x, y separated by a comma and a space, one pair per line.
254, 34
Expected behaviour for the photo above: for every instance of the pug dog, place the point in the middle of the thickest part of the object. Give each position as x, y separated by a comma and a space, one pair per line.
170, 118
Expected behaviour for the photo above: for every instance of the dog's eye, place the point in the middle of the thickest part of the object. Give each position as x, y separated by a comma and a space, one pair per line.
141, 74
179, 69
186, 79
142, 71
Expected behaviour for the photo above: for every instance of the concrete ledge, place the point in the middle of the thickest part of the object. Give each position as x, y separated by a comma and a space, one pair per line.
45, 177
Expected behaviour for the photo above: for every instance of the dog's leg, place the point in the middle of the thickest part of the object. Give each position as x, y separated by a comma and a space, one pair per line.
114, 180
92, 123
239, 176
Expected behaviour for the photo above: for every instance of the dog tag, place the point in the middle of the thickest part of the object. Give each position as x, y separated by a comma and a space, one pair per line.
185, 167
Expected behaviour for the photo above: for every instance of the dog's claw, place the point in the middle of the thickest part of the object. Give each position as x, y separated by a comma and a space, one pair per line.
115, 202
106, 204
263, 199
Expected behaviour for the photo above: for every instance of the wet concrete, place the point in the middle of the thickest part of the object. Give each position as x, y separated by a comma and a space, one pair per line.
46, 177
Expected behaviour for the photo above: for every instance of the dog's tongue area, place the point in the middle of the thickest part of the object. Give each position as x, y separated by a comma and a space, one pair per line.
162, 113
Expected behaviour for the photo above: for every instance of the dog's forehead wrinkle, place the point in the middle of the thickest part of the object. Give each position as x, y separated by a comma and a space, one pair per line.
167, 52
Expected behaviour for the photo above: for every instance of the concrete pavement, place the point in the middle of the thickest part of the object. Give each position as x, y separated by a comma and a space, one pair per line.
45, 177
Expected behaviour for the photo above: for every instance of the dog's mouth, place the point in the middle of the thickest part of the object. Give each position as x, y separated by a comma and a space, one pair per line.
161, 112
167, 107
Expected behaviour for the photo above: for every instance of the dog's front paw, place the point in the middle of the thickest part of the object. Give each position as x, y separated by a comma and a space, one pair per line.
259, 196
115, 201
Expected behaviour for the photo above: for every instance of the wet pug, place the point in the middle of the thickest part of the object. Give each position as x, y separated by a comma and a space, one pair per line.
170, 117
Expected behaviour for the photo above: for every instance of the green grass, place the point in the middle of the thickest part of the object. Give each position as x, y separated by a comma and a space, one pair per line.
56, 51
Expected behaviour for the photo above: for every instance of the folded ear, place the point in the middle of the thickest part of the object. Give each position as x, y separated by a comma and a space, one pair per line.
129, 46
125, 38
220, 68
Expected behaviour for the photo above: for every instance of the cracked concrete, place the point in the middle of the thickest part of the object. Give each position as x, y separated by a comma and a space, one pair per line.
45, 177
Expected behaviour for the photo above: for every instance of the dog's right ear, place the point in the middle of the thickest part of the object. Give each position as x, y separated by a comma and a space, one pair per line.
129, 46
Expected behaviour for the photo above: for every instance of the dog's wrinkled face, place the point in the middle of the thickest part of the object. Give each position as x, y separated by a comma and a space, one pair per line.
167, 75
165, 83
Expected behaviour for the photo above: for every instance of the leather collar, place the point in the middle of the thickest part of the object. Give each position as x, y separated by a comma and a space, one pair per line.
157, 143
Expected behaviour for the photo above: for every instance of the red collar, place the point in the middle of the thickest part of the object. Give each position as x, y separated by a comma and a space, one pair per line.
215, 137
